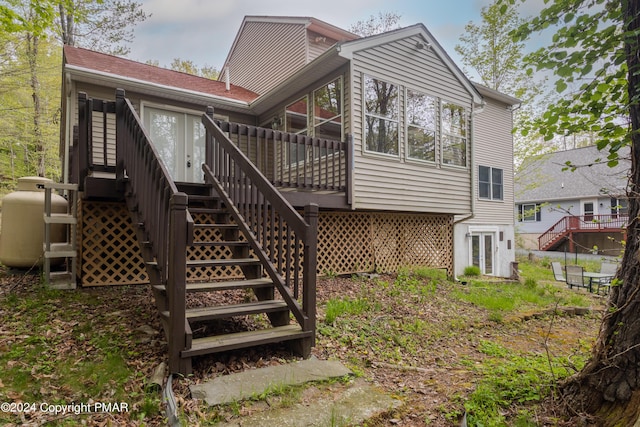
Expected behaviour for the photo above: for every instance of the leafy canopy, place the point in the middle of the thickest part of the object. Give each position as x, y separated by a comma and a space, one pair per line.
587, 58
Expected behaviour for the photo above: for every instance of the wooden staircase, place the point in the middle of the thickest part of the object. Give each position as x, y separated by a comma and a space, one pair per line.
222, 251
222, 233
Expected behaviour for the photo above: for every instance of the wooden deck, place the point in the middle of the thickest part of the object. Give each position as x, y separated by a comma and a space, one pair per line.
571, 225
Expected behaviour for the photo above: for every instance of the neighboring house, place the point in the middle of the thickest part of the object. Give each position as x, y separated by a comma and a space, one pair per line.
573, 201
408, 161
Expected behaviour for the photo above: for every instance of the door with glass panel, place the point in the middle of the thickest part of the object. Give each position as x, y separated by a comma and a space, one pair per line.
179, 139
482, 251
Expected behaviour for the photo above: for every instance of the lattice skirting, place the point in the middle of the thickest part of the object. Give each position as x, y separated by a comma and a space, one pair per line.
351, 242
348, 242
109, 250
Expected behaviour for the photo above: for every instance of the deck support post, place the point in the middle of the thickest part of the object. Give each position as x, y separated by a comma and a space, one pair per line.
176, 284
309, 273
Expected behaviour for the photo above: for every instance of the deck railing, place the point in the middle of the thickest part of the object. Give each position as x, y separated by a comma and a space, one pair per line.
162, 210
290, 160
285, 242
96, 123
287, 160
584, 223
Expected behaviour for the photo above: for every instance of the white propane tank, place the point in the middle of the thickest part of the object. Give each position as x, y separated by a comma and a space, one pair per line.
22, 232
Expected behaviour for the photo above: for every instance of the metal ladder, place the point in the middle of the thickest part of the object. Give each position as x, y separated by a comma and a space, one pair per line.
61, 279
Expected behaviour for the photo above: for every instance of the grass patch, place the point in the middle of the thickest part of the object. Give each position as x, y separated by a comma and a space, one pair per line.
502, 298
509, 379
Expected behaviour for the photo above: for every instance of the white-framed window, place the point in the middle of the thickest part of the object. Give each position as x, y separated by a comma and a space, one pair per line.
454, 134
529, 212
296, 121
381, 116
422, 119
490, 185
327, 111
619, 207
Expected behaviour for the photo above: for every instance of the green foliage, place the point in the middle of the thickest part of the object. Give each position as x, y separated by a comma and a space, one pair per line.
587, 58
509, 379
345, 306
472, 271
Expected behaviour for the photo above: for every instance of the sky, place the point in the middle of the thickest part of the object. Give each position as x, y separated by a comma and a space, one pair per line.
203, 30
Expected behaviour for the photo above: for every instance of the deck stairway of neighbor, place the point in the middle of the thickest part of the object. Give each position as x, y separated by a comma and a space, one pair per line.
216, 253
570, 225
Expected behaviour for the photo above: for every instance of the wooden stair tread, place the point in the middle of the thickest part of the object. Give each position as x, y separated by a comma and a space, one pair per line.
222, 243
222, 262
226, 311
223, 285
208, 210
225, 226
214, 262
219, 343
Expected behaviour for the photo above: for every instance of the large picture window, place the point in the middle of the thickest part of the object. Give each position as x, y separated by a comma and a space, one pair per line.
421, 126
381, 105
454, 135
490, 183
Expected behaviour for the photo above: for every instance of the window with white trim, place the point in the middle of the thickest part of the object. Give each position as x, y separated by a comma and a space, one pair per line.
490, 185
454, 135
296, 122
530, 212
381, 115
422, 116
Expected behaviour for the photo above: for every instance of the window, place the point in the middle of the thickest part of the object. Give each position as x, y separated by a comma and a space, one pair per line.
296, 122
454, 135
421, 126
327, 111
531, 212
490, 183
619, 207
381, 116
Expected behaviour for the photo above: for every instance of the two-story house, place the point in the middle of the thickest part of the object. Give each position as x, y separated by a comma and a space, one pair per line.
323, 153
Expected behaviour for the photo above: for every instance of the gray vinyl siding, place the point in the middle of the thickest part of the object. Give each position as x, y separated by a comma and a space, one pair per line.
393, 183
494, 148
281, 48
317, 45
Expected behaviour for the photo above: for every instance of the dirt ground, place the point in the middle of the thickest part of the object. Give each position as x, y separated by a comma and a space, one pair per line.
433, 383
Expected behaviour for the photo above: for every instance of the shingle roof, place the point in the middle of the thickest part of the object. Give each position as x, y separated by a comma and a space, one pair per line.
117, 66
542, 177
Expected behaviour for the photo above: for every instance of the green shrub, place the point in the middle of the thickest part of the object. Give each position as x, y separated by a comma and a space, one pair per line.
472, 270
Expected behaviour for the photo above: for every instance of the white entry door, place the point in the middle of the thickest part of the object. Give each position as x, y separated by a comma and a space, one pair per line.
482, 252
180, 141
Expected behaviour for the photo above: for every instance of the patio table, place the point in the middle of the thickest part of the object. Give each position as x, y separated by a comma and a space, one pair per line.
597, 278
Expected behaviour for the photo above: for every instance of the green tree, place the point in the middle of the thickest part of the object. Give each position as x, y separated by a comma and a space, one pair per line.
32, 62
101, 25
595, 54
490, 50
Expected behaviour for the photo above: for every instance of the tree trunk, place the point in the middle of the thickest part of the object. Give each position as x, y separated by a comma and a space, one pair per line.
33, 42
608, 388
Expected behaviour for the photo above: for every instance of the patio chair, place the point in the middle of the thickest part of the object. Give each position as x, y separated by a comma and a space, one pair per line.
605, 283
557, 271
575, 276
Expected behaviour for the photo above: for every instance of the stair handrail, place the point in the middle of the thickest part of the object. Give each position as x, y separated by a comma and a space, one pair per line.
162, 209
274, 228
579, 222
